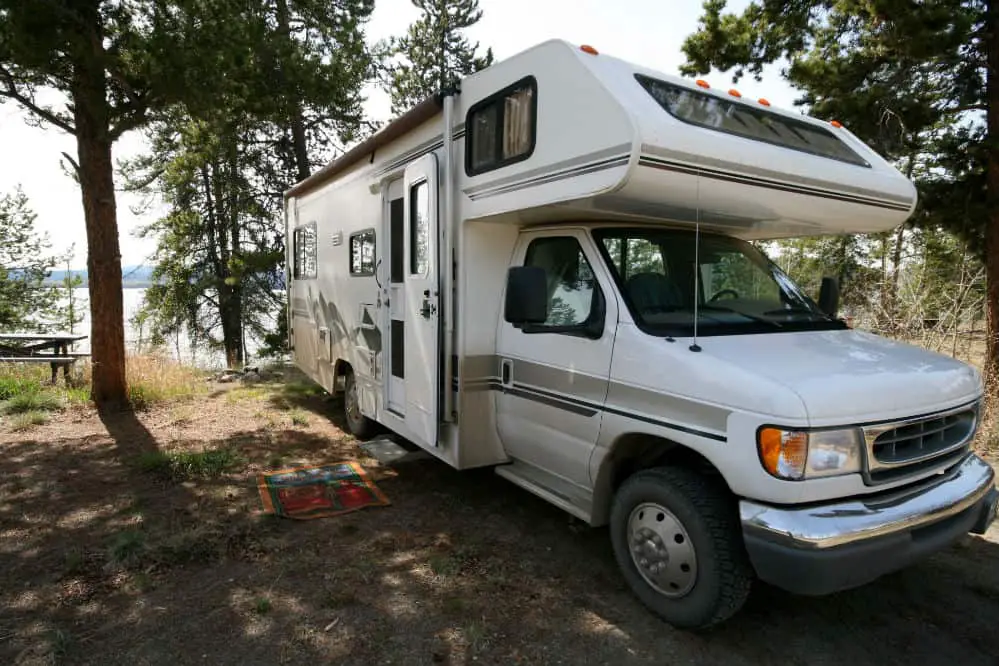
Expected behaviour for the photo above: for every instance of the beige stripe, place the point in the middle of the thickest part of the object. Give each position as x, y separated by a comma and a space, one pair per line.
737, 168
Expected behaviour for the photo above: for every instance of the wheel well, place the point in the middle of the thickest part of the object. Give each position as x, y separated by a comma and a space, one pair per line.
635, 452
340, 371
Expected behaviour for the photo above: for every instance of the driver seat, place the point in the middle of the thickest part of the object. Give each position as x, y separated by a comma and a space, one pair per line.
650, 292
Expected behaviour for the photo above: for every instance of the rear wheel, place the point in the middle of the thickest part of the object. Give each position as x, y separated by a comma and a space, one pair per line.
677, 539
358, 424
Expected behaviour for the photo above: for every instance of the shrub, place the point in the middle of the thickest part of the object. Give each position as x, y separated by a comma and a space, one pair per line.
181, 465
27, 420
32, 401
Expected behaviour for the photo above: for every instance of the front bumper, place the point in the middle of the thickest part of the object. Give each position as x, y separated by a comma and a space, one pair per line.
824, 548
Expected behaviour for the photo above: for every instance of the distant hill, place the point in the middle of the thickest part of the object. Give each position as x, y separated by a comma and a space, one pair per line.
137, 277
133, 277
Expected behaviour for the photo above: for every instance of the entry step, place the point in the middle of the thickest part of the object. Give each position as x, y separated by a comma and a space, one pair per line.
388, 451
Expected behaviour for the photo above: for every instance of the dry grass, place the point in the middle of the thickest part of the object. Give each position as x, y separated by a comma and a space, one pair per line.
152, 379
157, 379
27, 420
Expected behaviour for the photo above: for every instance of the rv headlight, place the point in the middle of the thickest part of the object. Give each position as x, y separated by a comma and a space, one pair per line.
808, 454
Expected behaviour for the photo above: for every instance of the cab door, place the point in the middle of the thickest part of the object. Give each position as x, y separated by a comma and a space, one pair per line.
422, 301
554, 376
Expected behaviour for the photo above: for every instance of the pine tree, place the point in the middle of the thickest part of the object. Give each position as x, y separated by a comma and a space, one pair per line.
27, 303
916, 80
223, 161
115, 64
434, 54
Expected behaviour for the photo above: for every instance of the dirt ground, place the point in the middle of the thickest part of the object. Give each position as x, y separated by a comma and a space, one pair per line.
105, 558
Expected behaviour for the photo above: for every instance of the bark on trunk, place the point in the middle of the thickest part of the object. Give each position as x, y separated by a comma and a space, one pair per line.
992, 224
93, 140
297, 119
896, 266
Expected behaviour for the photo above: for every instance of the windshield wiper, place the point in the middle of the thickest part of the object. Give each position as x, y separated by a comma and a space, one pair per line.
797, 309
762, 320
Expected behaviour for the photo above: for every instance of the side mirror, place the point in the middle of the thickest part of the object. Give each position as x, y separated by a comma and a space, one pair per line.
526, 295
829, 296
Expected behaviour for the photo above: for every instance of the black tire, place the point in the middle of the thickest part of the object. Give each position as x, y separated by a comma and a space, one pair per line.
359, 425
707, 513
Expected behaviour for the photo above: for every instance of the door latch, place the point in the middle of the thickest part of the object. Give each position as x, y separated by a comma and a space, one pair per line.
428, 308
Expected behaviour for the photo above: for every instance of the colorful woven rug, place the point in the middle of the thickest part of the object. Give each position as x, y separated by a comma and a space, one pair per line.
317, 492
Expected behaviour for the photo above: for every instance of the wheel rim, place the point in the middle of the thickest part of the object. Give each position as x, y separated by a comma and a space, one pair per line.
351, 405
662, 550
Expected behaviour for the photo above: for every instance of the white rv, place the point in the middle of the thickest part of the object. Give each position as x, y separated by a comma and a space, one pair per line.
548, 272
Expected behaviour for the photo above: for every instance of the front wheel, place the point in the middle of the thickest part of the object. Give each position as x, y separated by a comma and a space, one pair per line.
359, 425
678, 542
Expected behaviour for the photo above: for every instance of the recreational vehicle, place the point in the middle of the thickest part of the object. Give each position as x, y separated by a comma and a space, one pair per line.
549, 271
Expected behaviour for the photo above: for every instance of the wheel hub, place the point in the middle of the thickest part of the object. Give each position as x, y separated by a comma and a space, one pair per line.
662, 550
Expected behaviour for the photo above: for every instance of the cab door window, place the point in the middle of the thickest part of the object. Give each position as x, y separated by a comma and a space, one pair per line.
575, 302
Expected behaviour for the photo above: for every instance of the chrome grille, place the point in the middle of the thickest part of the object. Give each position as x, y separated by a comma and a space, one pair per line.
908, 447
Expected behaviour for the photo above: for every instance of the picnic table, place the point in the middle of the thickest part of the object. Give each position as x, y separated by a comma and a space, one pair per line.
51, 348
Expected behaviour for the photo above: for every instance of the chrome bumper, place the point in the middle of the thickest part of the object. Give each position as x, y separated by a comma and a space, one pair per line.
855, 520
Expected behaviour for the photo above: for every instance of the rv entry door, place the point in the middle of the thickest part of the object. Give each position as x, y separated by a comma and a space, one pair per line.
422, 309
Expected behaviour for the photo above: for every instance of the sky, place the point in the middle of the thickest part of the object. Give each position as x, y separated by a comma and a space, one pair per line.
649, 32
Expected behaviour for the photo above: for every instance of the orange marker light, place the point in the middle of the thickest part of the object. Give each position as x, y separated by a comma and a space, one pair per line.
764, 102
734, 93
586, 48
702, 83
835, 123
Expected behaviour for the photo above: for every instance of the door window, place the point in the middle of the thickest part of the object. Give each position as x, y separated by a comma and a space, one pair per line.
575, 303
419, 229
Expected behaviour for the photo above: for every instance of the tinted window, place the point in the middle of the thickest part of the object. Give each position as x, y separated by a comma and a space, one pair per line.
305, 252
419, 229
751, 122
501, 129
397, 224
362, 253
571, 284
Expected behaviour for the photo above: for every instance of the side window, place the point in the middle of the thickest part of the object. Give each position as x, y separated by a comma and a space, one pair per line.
397, 232
419, 229
632, 256
362, 253
575, 303
502, 128
304, 240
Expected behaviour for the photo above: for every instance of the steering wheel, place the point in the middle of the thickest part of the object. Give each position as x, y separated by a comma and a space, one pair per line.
721, 293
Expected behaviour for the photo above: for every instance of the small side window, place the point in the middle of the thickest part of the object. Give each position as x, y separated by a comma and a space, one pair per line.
575, 302
362, 253
419, 229
304, 252
502, 129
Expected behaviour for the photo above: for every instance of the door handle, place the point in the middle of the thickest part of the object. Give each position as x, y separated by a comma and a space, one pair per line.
427, 309
506, 370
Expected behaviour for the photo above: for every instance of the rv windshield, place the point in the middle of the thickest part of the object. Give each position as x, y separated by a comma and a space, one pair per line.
739, 290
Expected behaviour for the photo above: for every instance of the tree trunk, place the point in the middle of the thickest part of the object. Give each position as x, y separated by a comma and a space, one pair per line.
299, 142
991, 366
93, 141
236, 305
896, 267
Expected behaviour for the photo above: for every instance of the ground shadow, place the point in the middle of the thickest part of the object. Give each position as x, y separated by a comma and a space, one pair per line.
462, 567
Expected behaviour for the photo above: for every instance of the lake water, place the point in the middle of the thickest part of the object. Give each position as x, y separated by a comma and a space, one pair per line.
200, 356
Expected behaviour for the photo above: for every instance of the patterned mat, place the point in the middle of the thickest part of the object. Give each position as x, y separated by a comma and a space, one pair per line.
317, 492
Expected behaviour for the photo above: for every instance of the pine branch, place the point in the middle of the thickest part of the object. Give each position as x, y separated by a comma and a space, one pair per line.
10, 91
